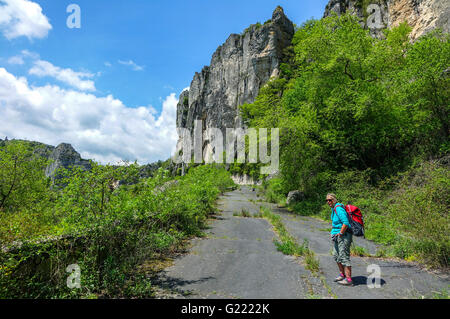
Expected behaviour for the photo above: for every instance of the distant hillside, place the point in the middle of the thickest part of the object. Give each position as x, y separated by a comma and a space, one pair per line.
65, 156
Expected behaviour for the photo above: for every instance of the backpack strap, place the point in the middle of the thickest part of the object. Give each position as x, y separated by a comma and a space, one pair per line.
334, 208
338, 205
349, 215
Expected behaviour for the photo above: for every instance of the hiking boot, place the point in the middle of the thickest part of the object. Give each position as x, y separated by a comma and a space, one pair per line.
339, 278
345, 282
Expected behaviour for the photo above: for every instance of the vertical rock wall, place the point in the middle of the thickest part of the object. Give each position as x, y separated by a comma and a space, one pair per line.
238, 69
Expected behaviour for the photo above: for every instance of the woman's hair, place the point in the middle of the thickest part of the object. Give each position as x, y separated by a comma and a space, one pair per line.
332, 196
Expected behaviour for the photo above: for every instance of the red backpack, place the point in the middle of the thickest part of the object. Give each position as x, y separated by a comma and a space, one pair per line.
356, 220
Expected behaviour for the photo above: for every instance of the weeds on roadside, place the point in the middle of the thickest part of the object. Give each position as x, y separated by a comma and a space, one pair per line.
443, 294
359, 251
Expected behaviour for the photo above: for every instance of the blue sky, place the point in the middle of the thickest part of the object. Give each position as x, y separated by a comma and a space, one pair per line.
124, 68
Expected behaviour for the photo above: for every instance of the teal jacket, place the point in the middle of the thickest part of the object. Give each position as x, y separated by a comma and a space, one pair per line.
338, 219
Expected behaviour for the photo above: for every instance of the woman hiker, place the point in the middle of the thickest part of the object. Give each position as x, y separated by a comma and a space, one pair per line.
342, 239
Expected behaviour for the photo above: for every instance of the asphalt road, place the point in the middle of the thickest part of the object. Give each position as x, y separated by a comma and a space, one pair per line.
238, 259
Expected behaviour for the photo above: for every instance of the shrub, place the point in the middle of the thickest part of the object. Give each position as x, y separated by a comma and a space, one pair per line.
421, 206
109, 232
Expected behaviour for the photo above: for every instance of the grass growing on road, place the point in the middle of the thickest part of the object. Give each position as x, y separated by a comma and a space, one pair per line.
288, 244
244, 213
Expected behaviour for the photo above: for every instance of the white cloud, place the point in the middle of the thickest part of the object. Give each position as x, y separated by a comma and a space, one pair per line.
100, 128
77, 80
29, 54
23, 18
132, 64
16, 60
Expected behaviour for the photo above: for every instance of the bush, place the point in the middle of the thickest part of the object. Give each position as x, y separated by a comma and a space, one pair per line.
408, 212
273, 190
421, 206
109, 231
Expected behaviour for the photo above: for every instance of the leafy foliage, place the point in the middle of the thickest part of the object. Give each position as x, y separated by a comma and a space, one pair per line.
22, 180
105, 220
355, 111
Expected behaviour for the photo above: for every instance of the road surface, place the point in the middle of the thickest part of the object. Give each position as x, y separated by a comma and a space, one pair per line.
238, 259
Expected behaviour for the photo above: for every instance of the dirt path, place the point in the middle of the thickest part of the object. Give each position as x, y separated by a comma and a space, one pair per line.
238, 259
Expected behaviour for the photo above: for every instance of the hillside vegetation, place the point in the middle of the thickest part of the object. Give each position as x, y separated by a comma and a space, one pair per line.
89, 220
367, 119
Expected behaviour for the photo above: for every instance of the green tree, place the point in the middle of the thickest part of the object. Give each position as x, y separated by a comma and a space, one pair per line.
22, 180
352, 102
87, 196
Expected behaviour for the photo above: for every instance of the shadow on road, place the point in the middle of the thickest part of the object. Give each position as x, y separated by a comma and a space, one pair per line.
176, 284
362, 280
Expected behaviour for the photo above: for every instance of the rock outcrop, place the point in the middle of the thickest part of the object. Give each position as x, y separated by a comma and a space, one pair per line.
238, 69
372, 14
65, 156
422, 15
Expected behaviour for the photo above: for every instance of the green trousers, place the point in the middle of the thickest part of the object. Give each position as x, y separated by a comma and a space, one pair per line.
341, 249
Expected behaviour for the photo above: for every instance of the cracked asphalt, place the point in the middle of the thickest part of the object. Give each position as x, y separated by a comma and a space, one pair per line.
238, 260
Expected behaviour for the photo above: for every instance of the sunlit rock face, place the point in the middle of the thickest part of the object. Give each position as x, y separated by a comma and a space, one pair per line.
238, 69
422, 15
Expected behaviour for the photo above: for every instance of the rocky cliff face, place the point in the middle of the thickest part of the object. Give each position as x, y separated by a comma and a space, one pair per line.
237, 71
422, 15
64, 156
247, 61
372, 14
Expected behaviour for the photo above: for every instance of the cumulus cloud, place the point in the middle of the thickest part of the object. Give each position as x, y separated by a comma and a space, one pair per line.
23, 18
100, 128
132, 64
77, 80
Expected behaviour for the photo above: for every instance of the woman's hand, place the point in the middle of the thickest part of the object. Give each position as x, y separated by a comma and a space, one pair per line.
343, 230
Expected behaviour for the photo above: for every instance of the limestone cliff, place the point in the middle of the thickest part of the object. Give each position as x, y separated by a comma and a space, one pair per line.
237, 71
246, 61
64, 156
422, 15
